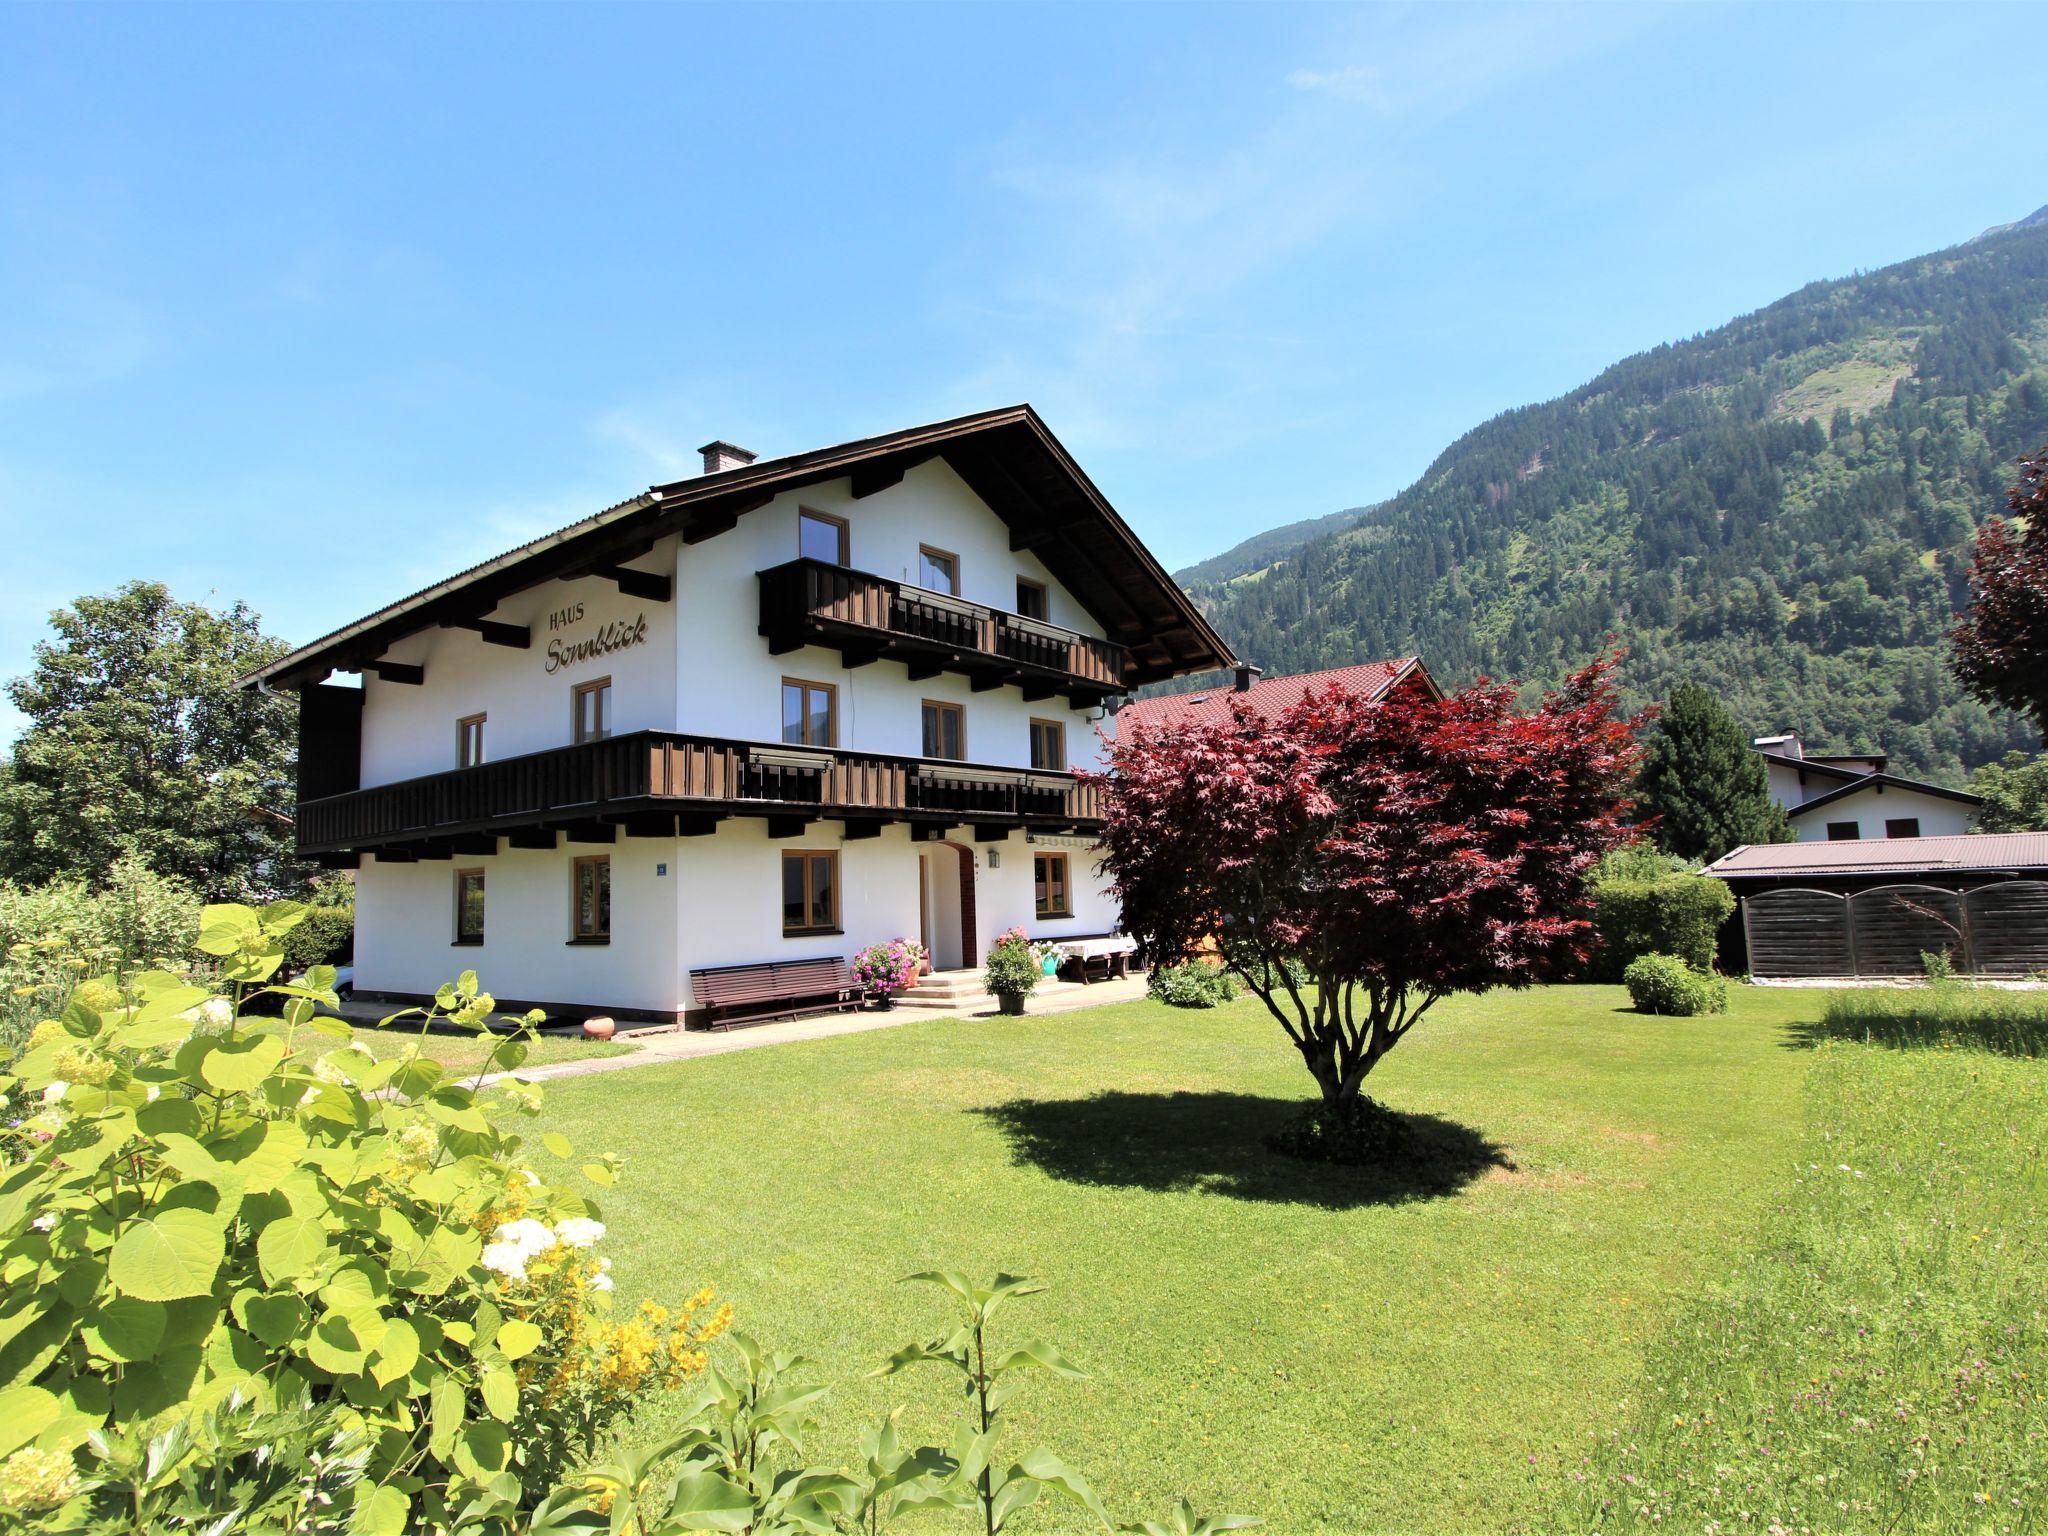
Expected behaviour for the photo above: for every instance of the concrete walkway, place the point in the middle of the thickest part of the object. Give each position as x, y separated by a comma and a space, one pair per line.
654, 1046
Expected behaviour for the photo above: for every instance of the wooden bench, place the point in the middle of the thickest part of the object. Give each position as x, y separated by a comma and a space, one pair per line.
777, 989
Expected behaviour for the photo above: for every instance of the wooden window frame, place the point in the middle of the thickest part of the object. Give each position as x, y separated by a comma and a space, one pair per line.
845, 533
942, 554
462, 728
811, 926
1044, 614
1066, 884
576, 932
1059, 728
831, 692
595, 685
959, 714
464, 940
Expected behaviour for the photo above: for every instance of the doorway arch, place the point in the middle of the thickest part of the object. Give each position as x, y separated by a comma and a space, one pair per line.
945, 873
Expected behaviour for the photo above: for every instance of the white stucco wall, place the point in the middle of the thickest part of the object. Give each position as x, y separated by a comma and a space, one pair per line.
409, 729
405, 927
1874, 805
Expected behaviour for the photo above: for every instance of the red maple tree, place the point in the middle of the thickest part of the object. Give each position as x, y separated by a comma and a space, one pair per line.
2001, 646
1358, 861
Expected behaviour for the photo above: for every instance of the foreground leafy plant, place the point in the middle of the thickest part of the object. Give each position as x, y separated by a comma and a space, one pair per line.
204, 1207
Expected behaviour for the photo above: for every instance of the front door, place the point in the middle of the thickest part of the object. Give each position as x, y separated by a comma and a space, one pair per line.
946, 876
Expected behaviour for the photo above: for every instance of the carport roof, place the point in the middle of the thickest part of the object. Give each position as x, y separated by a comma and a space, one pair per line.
1989, 852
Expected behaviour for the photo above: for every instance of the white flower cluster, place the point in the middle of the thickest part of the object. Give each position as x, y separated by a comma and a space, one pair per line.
514, 1244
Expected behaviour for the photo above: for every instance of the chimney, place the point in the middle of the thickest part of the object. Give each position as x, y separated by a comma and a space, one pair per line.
1785, 745
723, 455
1247, 674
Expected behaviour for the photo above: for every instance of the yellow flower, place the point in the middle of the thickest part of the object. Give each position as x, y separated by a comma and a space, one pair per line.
45, 1032
33, 1479
76, 1065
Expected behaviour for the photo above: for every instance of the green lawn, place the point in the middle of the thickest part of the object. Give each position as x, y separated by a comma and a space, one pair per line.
466, 1051
1330, 1350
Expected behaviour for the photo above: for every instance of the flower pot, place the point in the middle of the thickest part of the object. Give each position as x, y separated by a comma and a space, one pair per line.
885, 1002
599, 1027
1010, 1002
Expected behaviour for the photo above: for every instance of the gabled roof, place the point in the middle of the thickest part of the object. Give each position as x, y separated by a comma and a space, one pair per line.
1812, 765
1860, 782
1008, 457
1272, 697
1985, 853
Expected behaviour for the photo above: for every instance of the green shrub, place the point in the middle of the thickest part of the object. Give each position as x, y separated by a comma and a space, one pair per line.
1645, 903
1192, 984
326, 936
1666, 984
206, 1206
1012, 969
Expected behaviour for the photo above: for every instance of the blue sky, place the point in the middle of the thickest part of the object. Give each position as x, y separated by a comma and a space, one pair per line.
313, 306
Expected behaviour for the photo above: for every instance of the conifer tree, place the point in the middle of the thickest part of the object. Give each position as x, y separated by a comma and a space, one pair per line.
1707, 787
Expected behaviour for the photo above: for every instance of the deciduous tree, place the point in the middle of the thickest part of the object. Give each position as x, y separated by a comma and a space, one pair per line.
2001, 646
1705, 785
1361, 861
2015, 794
137, 737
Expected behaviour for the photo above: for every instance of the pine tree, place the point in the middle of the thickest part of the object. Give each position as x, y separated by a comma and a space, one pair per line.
1707, 788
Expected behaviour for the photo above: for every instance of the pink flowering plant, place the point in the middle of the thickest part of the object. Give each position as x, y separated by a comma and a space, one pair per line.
884, 970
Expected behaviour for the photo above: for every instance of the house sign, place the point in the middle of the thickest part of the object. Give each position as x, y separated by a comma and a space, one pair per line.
613, 635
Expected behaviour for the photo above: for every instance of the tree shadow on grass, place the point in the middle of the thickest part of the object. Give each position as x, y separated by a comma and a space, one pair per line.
1215, 1143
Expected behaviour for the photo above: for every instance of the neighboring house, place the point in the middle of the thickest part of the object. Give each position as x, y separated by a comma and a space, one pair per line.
1818, 910
1272, 697
1848, 797
776, 712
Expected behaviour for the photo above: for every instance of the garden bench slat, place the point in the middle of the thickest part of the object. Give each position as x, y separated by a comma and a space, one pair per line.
774, 989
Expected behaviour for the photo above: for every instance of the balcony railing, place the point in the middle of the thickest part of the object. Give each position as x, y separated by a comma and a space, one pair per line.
868, 617
640, 779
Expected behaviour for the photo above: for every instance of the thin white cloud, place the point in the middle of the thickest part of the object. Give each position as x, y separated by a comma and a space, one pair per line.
1351, 82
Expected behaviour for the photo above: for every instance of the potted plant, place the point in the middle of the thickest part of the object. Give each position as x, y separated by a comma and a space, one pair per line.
1012, 970
883, 970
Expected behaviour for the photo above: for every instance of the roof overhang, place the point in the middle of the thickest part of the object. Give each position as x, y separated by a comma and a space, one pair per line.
1876, 781
1008, 457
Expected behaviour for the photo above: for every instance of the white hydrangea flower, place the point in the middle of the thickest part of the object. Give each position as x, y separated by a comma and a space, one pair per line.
600, 1282
579, 1231
44, 1222
218, 1012
507, 1259
527, 1235
55, 1091
532, 1178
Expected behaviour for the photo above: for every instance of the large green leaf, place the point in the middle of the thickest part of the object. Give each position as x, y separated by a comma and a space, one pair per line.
518, 1338
501, 1390
705, 1501
124, 1328
1039, 1354
382, 1512
25, 1412
166, 1254
239, 1066
224, 927
292, 1248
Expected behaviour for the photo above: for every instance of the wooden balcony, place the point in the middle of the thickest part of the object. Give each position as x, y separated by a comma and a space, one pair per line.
868, 618
659, 784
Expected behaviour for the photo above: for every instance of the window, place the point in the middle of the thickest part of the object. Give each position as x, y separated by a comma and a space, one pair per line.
1049, 745
945, 730
1844, 831
938, 570
1030, 598
1049, 885
593, 710
469, 741
809, 713
820, 536
469, 906
1902, 826
590, 917
810, 893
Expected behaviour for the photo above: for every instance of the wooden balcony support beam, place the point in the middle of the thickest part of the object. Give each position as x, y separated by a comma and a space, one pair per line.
650, 824
861, 830
397, 672
532, 837
652, 585
474, 844
591, 832
697, 824
786, 826
514, 636
985, 833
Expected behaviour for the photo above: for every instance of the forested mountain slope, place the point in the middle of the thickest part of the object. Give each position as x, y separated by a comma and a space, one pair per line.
1780, 508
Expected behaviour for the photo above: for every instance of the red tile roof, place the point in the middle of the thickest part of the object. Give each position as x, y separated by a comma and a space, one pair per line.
1272, 697
1902, 855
